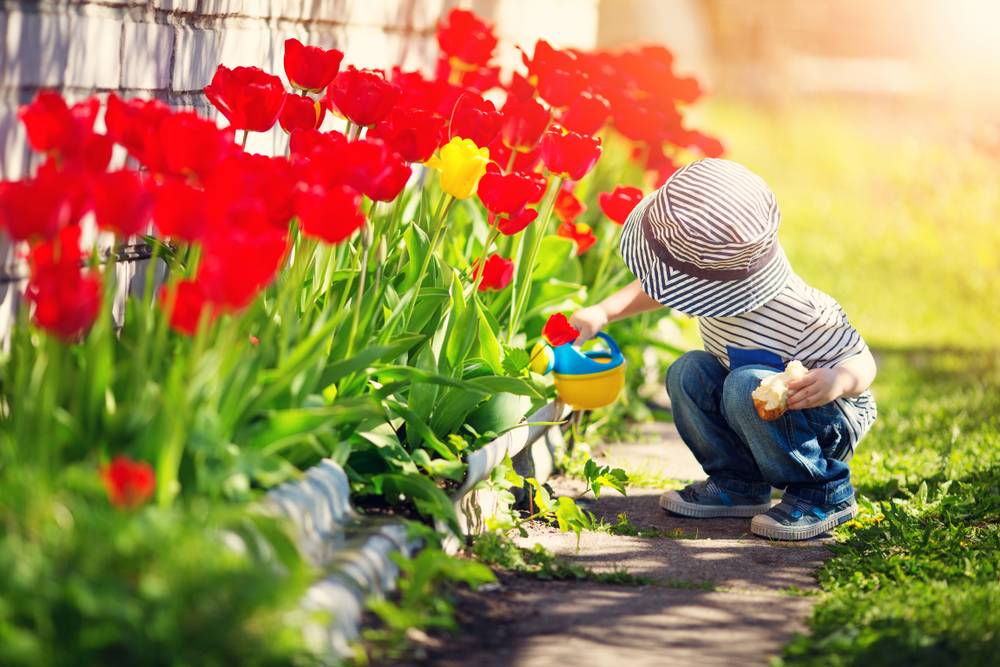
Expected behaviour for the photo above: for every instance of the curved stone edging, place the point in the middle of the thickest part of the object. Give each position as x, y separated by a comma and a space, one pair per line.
356, 553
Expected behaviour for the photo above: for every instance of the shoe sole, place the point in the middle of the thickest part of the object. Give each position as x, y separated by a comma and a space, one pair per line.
765, 526
671, 501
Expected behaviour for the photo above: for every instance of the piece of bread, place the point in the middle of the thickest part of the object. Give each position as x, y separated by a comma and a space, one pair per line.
771, 396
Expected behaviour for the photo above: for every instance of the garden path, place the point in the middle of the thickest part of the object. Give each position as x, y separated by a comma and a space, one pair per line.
719, 595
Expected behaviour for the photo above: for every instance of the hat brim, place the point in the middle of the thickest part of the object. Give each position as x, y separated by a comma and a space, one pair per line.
697, 296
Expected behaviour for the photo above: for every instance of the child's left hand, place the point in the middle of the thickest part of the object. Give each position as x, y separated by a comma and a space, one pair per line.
819, 387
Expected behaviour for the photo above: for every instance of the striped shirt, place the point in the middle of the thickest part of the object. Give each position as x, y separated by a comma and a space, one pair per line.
802, 323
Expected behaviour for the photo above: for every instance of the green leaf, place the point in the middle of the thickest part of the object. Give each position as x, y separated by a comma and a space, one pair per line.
429, 500
489, 346
557, 259
417, 426
367, 357
516, 361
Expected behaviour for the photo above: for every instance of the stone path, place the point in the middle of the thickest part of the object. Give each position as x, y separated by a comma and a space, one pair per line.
722, 596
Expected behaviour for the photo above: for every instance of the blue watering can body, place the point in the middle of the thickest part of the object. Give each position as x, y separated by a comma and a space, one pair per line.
584, 380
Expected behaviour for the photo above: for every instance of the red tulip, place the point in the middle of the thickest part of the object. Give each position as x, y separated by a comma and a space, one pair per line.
187, 144
568, 208
392, 180
510, 225
65, 299
525, 162
244, 188
123, 202
642, 122
560, 79
331, 214
569, 153
37, 207
363, 96
236, 265
580, 233
661, 164
248, 97
474, 118
466, 38
134, 124
524, 121
706, 145
185, 302
56, 128
413, 133
304, 142
128, 483
300, 112
179, 211
618, 204
519, 88
586, 114
497, 273
310, 68
417, 92
558, 331
506, 193
368, 166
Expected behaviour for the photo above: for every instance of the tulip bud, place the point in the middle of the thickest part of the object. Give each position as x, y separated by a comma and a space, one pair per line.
366, 236
382, 252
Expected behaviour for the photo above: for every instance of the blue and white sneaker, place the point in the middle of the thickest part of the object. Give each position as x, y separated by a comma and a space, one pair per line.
705, 500
795, 519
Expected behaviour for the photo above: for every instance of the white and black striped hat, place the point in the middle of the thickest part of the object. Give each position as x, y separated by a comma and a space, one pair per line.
706, 242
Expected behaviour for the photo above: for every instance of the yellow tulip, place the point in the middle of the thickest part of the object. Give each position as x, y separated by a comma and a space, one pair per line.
461, 164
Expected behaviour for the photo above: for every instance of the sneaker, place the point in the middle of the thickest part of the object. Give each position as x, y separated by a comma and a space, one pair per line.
795, 519
704, 500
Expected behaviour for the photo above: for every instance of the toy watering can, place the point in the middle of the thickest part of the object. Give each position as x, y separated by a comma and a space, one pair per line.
584, 380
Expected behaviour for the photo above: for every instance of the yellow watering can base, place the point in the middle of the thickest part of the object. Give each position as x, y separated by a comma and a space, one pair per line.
592, 390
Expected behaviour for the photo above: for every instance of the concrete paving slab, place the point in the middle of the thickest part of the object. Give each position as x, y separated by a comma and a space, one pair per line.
590, 625
751, 565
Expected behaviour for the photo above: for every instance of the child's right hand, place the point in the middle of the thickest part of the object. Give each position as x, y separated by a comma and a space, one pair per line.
589, 321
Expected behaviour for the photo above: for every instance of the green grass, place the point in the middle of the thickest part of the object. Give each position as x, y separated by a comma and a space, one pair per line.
893, 216
916, 578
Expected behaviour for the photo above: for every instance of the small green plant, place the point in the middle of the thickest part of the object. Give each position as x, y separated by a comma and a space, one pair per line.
424, 600
624, 526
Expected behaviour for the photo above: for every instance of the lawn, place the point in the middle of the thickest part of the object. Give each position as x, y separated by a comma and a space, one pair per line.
898, 223
893, 216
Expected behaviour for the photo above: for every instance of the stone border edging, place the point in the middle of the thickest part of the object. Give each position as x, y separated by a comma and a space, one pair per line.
356, 554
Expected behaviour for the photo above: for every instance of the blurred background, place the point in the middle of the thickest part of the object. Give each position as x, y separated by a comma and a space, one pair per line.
876, 125
874, 122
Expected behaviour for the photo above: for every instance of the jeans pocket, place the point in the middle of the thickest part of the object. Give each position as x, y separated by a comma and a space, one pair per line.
832, 431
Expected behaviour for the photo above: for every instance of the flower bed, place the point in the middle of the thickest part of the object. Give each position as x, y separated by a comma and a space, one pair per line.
341, 302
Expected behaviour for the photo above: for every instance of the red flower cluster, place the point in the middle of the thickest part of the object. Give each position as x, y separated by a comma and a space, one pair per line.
128, 483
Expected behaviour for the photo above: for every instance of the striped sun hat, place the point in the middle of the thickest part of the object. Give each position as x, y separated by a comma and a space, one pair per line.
706, 243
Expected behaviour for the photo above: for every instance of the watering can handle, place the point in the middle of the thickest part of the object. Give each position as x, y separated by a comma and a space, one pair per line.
616, 352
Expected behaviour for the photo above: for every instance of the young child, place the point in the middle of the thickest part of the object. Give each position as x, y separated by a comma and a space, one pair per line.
706, 244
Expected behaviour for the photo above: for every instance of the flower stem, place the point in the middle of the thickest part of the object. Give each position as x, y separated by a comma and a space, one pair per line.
246, 135
519, 301
441, 215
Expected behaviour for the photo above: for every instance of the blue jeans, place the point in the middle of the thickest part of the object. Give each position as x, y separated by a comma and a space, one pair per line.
803, 451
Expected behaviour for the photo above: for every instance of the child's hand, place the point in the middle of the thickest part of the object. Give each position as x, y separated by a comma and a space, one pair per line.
819, 387
588, 322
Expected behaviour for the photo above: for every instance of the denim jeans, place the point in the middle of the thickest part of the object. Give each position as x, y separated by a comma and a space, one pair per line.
803, 451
